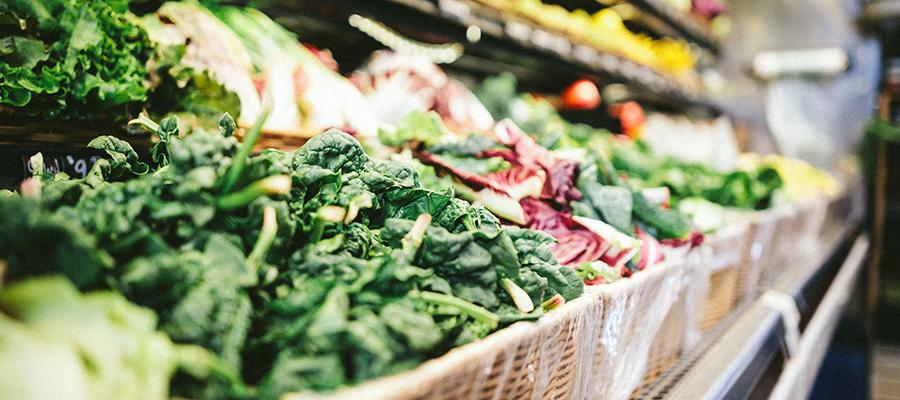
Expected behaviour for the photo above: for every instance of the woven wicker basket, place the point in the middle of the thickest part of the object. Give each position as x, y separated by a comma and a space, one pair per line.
633, 312
813, 217
667, 345
598, 346
784, 240
523, 361
726, 255
280, 140
761, 234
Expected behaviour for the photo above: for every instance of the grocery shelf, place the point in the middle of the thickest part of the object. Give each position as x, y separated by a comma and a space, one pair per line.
63, 145
505, 43
657, 19
691, 29
761, 350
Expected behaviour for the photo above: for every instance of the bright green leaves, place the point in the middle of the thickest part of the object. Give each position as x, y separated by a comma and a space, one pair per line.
71, 59
420, 126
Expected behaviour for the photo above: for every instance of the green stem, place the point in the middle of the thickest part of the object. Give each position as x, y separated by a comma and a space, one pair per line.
161, 171
278, 184
553, 303
416, 235
325, 215
479, 313
240, 159
146, 122
266, 237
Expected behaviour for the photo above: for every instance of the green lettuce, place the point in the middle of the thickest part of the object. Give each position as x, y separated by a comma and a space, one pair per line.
71, 59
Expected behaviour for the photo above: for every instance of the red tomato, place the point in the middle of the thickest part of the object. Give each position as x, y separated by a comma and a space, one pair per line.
581, 95
630, 115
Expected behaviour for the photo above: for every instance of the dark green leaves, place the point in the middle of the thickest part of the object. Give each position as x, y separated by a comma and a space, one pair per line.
613, 204
301, 270
123, 159
663, 223
34, 242
334, 150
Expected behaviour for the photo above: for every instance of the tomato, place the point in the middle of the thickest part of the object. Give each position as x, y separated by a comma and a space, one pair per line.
630, 115
581, 95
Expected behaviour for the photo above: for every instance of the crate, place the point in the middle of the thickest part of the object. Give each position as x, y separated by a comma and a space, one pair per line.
601, 345
784, 241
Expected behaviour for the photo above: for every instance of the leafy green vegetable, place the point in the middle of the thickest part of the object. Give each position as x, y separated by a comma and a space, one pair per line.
307, 270
660, 222
71, 59
57, 343
420, 126
613, 204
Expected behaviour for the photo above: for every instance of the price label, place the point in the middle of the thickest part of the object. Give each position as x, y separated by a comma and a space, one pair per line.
76, 166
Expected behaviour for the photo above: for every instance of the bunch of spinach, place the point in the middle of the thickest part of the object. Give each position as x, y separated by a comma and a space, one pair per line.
303, 270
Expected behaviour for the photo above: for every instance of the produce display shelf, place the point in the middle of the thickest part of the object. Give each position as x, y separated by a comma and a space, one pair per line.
772, 342
505, 41
62, 144
692, 29
659, 19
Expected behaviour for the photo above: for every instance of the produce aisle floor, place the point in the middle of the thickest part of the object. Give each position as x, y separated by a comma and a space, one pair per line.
885, 383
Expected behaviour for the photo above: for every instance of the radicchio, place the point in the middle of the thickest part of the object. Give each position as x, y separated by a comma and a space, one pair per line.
575, 244
651, 252
396, 84
559, 187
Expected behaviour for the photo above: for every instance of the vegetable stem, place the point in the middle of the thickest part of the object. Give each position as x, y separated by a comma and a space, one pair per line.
146, 122
357, 203
553, 303
325, 214
413, 240
477, 312
240, 159
519, 297
266, 238
278, 184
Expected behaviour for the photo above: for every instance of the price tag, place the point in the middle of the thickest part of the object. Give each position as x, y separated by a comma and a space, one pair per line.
76, 166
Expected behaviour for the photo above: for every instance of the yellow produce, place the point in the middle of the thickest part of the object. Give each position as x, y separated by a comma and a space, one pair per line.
606, 32
802, 181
